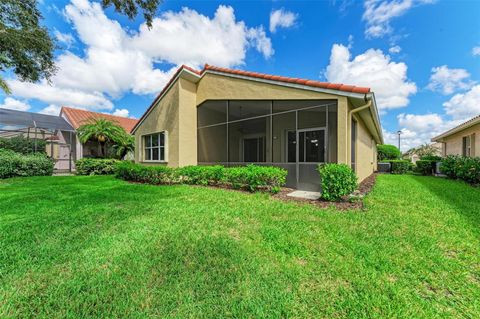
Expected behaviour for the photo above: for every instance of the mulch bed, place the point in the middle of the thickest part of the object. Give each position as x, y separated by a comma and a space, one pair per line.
345, 204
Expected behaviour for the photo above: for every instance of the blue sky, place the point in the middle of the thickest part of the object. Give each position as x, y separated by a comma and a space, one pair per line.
421, 57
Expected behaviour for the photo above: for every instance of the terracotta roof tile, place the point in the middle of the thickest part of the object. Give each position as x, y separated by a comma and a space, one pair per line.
78, 117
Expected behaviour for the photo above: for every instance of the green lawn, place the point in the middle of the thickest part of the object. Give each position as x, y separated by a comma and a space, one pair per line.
99, 247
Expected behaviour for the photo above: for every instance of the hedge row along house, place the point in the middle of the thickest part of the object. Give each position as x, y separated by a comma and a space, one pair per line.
461, 140
232, 117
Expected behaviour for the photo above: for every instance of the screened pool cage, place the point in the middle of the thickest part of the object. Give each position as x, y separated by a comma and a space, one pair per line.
28, 132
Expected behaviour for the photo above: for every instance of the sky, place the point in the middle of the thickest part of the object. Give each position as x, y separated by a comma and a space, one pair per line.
421, 58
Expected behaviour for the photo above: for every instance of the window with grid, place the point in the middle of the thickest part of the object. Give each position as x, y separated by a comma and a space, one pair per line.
154, 147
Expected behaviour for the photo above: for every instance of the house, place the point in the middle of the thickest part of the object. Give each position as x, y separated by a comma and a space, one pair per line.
232, 117
416, 153
77, 118
463, 139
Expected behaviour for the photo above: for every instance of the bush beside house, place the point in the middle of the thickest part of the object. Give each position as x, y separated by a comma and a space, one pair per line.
251, 177
464, 168
387, 152
14, 164
23, 145
95, 166
337, 180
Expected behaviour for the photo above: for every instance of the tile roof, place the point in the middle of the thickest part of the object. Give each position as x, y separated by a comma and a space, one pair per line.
318, 84
78, 117
207, 67
474, 120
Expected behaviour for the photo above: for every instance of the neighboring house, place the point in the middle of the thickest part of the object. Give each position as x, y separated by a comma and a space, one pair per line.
234, 117
463, 139
415, 154
77, 118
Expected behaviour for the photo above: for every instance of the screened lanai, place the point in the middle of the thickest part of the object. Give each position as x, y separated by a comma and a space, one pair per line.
293, 134
29, 132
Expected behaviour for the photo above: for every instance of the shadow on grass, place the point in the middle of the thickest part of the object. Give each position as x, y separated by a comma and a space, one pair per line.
464, 198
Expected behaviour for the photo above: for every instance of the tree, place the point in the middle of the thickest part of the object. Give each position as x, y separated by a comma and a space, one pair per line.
25, 47
103, 131
130, 8
387, 152
426, 150
124, 145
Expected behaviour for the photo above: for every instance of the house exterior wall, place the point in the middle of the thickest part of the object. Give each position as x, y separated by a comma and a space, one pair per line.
453, 144
163, 117
176, 113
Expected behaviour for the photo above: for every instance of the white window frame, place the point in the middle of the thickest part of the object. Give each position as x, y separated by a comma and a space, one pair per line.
146, 148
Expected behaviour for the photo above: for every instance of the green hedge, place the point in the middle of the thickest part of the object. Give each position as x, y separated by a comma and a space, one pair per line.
337, 180
23, 145
425, 167
251, 177
14, 164
464, 168
387, 152
399, 166
95, 166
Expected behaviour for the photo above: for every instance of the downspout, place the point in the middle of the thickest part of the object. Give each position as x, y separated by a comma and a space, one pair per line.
350, 115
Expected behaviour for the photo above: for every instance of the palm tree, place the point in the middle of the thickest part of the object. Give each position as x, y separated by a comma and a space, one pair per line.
124, 145
103, 131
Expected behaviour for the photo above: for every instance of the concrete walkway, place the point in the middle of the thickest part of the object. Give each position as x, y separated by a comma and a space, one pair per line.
305, 195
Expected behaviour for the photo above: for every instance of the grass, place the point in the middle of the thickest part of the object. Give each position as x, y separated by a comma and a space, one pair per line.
78, 247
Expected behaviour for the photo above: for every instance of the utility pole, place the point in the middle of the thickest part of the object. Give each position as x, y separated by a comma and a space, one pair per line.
399, 132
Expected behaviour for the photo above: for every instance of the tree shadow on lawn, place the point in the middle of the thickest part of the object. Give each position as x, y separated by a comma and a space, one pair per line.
462, 197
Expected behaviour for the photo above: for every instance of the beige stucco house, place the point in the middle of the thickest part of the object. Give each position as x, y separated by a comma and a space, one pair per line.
463, 139
232, 117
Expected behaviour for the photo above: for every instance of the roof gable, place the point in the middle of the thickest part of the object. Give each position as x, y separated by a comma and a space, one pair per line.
78, 117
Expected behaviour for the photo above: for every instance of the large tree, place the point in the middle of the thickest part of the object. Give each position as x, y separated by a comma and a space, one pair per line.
25, 46
130, 8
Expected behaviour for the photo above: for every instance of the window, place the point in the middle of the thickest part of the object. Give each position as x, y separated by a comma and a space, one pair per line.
353, 145
154, 147
466, 146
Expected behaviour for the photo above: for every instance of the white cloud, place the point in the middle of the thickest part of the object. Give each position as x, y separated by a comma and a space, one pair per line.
66, 38
52, 109
448, 81
463, 106
117, 60
476, 51
418, 129
282, 19
14, 104
121, 112
373, 69
395, 49
61, 96
379, 13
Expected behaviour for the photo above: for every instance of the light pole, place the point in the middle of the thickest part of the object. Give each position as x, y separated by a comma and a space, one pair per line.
399, 133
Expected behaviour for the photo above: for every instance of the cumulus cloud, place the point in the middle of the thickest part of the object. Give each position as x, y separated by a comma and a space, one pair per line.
463, 106
52, 109
448, 81
373, 69
117, 61
121, 112
379, 13
282, 19
395, 49
65, 38
14, 104
418, 129
476, 51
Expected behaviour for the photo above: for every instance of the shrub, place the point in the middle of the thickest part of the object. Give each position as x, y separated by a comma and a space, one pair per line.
400, 166
337, 180
448, 165
250, 177
95, 166
253, 178
425, 167
15, 164
387, 152
23, 145
202, 175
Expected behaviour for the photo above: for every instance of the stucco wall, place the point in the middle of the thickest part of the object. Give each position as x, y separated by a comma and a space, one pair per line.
163, 117
365, 150
453, 144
